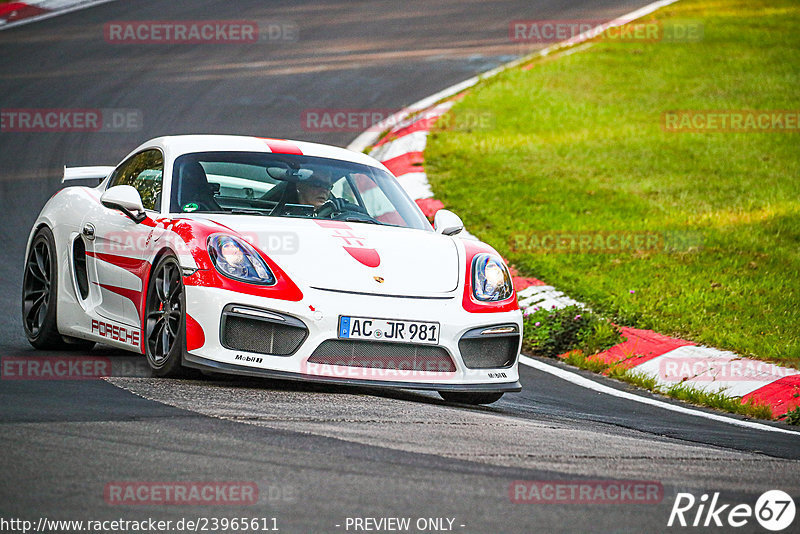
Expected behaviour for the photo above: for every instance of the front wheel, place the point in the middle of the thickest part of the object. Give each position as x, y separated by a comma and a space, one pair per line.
470, 398
164, 318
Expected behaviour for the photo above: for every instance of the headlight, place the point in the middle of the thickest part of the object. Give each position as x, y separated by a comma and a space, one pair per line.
236, 259
491, 280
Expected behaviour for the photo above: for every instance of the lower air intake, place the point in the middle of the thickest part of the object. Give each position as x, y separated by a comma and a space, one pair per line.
383, 355
490, 347
251, 334
489, 353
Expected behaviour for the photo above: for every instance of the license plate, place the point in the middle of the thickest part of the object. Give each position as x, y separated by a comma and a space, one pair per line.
388, 330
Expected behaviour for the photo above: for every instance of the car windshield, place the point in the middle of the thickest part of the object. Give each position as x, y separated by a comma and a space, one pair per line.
287, 185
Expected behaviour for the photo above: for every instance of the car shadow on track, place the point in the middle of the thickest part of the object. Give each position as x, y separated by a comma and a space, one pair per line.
104, 361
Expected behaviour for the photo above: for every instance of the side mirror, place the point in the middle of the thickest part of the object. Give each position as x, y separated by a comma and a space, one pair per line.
126, 199
446, 222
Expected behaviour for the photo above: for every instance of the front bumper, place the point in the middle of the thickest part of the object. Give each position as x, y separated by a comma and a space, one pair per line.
319, 311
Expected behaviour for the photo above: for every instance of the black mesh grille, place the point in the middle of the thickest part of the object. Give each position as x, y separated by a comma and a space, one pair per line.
261, 336
489, 352
79, 264
403, 356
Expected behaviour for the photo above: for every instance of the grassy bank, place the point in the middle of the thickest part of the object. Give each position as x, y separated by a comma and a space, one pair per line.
577, 148
576, 335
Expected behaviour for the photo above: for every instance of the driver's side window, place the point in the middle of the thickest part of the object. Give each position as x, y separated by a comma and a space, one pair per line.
144, 171
342, 189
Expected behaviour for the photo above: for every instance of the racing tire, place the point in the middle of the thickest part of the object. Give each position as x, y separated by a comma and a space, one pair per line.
39, 290
471, 398
40, 296
165, 319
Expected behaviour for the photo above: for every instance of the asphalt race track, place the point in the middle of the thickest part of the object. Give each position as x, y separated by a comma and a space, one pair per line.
319, 454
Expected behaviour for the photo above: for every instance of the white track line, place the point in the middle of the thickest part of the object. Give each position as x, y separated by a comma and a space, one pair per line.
582, 381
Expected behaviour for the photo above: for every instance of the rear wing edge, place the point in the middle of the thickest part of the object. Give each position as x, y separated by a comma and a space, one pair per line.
86, 173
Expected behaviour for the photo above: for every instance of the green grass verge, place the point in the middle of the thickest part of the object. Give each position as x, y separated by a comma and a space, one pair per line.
793, 416
557, 331
718, 401
576, 145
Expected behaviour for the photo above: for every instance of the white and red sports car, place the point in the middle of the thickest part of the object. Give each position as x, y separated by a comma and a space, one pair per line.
273, 258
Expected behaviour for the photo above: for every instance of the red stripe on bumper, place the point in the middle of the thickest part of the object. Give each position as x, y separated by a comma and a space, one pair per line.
195, 337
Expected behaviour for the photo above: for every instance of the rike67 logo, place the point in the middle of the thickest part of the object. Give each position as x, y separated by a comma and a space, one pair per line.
774, 510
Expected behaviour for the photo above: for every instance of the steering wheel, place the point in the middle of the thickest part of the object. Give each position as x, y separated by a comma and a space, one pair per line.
335, 206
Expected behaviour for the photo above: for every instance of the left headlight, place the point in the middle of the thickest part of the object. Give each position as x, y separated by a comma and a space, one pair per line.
491, 280
236, 259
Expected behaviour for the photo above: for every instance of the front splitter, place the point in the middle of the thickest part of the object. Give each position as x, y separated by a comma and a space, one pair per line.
204, 364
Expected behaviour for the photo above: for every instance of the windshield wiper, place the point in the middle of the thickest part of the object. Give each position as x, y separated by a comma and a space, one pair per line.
245, 212
358, 219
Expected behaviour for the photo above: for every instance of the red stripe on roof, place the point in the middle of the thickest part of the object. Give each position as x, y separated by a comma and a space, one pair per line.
282, 146
779, 395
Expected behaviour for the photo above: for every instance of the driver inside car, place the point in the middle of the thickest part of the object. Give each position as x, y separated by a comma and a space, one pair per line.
316, 190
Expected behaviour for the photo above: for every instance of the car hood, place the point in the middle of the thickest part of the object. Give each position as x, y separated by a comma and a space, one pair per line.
353, 257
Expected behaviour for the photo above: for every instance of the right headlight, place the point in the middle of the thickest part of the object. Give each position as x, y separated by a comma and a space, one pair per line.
238, 260
491, 280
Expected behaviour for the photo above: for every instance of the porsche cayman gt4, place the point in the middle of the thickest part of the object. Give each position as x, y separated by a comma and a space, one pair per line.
273, 258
